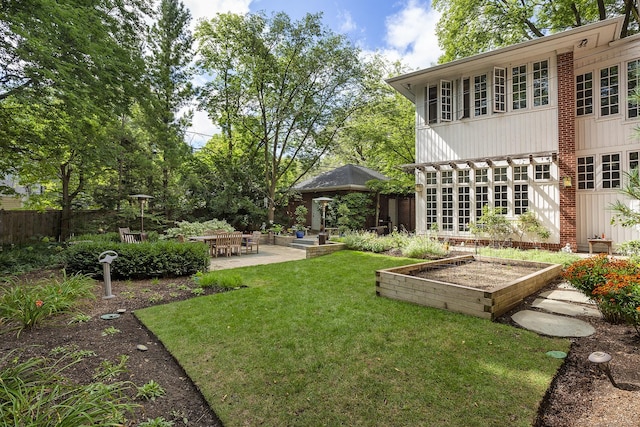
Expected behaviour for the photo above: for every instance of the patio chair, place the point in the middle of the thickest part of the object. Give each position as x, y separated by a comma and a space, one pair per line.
123, 232
235, 246
221, 245
253, 241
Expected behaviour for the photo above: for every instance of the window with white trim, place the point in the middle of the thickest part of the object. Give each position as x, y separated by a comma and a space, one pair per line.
431, 105
431, 206
482, 175
519, 87
480, 95
586, 173
520, 198
609, 95
464, 207
633, 159
464, 99
542, 172
500, 174
446, 94
447, 208
520, 173
430, 178
499, 90
611, 170
500, 201
446, 177
540, 83
633, 85
464, 176
584, 94
482, 198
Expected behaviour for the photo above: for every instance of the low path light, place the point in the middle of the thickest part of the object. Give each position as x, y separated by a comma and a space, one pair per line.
602, 359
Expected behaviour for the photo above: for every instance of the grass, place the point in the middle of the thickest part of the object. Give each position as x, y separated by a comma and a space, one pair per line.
309, 343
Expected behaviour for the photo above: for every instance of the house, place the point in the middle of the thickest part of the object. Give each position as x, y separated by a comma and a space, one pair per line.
13, 195
394, 210
547, 126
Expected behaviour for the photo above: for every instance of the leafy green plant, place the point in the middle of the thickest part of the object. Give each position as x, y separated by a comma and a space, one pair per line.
631, 249
79, 318
528, 224
15, 259
155, 298
301, 218
156, 422
109, 370
493, 224
111, 330
150, 391
197, 291
424, 247
188, 229
36, 391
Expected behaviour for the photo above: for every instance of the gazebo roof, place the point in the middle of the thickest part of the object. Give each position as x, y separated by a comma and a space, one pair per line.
347, 177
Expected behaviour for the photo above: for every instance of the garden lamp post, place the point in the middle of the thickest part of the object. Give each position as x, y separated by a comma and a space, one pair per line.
142, 198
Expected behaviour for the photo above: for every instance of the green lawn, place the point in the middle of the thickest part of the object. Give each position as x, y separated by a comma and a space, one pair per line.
308, 343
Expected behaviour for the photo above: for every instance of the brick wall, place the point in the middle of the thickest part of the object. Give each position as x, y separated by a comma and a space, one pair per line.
567, 149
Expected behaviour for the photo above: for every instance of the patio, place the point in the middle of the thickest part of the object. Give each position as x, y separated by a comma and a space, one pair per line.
268, 254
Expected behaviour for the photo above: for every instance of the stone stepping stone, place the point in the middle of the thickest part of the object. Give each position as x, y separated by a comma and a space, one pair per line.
552, 325
564, 295
560, 307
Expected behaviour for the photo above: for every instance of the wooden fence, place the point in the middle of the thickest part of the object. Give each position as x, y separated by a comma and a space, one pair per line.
17, 226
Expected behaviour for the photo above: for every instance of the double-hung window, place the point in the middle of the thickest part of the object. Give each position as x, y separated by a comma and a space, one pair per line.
633, 159
611, 170
540, 83
633, 88
609, 99
480, 95
499, 90
542, 172
584, 94
586, 173
519, 87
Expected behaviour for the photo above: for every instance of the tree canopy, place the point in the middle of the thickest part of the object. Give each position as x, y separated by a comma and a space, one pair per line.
468, 27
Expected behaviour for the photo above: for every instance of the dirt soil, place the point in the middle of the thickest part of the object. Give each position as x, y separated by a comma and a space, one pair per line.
579, 395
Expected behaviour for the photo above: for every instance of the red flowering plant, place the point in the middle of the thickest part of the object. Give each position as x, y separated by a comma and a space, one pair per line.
613, 284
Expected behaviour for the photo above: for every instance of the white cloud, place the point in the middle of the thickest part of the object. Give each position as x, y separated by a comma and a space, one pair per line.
205, 9
201, 130
411, 35
347, 24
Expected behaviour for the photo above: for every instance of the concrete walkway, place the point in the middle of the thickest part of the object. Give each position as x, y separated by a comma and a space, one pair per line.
555, 313
268, 254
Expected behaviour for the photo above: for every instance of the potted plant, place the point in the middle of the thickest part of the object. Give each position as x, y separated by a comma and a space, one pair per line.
301, 219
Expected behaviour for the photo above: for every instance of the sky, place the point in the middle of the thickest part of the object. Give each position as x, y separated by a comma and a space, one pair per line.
397, 29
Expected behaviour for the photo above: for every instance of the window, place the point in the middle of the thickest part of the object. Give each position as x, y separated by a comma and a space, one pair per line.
520, 173
446, 177
520, 198
432, 104
609, 91
584, 94
611, 171
431, 199
499, 90
482, 199
519, 87
447, 208
430, 178
543, 172
464, 208
500, 174
445, 100
464, 102
633, 159
463, 176
480, 95
482, 175
500, 201
633, 84
540, 83
586, 173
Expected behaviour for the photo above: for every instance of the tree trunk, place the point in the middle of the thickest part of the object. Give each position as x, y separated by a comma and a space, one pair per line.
65, 218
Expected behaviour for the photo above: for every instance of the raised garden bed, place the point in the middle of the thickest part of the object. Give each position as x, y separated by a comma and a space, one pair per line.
479, 286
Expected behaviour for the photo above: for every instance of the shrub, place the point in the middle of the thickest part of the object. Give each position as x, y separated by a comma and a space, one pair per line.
16, 259
423, 247
613, 284
366, 241
142, 260
631, 249
188, 229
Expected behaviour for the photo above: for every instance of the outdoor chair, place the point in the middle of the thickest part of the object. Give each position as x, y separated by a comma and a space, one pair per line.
235, 243
221, 245
252, 241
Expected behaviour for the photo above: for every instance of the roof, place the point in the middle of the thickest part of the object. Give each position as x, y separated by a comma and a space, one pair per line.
347, 177
598, 34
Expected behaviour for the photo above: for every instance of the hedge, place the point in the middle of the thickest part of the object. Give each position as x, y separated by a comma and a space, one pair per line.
139, 261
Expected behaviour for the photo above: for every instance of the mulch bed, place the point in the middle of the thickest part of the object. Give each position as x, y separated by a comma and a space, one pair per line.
579, 395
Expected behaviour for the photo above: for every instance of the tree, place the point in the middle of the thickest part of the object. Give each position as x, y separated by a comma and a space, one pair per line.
170, 74
285, 89
468, 27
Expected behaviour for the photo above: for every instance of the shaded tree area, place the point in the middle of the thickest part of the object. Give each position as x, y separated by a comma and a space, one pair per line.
468, 27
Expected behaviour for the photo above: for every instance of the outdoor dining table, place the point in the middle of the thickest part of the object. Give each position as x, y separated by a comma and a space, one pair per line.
212, 239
